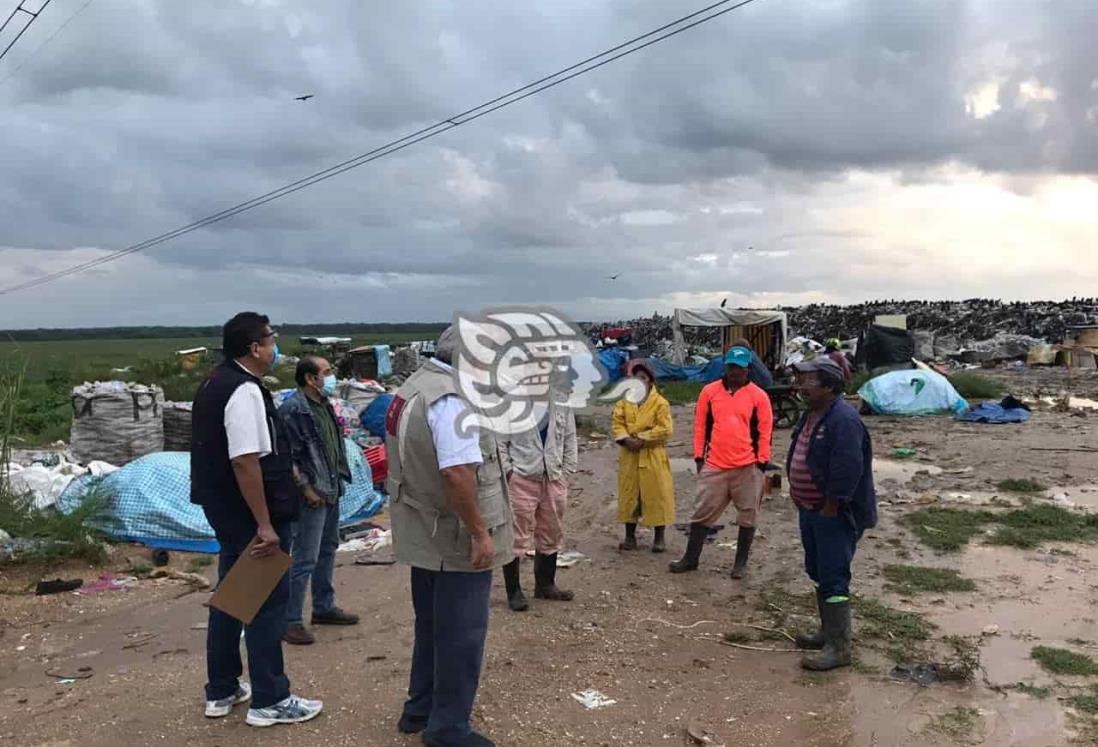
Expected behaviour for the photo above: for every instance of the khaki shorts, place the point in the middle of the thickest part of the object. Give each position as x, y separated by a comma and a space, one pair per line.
717, 488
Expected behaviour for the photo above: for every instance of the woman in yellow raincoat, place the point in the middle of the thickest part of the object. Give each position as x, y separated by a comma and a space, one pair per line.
646, 491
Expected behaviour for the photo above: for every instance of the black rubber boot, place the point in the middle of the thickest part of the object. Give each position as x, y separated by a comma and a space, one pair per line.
813, 641
630, 542
743, 550
545, 579
689, 559
516, 600
836, 627
658, 544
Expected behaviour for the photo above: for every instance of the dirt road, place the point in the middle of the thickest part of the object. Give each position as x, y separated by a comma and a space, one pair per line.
649, 640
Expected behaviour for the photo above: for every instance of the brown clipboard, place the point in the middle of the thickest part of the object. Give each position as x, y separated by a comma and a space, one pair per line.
249, 583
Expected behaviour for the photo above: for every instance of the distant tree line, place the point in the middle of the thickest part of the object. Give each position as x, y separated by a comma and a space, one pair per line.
346, 329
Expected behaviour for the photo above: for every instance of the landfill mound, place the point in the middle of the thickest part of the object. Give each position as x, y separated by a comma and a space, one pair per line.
975, 324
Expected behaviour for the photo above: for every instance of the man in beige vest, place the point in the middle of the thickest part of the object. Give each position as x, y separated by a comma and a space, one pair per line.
451, 522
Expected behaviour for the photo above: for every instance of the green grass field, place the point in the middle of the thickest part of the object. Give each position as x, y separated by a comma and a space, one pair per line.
44, 413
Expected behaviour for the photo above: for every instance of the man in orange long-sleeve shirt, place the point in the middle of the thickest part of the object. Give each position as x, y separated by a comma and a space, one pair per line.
733, 424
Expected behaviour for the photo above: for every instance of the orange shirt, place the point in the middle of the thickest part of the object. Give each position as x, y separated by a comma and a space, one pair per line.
733, 430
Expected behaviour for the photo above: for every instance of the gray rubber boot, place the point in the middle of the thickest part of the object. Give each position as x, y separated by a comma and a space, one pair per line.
836, 651
814, 641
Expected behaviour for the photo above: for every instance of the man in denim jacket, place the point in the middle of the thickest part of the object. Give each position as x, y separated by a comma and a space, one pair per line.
830, 468
320, 460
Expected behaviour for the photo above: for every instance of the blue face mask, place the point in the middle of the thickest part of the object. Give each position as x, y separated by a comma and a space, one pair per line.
329, 385
277, 354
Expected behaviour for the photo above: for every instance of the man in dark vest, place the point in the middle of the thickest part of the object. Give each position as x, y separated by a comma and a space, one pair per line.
243, 477
452, 523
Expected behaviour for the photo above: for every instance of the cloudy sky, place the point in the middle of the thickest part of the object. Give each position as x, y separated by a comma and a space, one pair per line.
790, 151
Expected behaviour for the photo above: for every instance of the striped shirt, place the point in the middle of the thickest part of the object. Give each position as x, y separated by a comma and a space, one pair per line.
801, 487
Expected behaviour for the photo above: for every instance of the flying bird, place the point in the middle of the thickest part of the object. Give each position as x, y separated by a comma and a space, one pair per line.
724, 302
614, 277
306, 97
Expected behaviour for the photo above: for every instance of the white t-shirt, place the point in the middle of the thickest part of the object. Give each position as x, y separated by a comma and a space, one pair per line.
246, 422
452, 448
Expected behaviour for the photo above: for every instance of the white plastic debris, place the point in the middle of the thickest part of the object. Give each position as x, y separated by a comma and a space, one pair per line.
376, 540
569, 558
593, 699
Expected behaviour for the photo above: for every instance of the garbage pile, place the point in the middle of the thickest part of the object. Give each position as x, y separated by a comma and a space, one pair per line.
965, 321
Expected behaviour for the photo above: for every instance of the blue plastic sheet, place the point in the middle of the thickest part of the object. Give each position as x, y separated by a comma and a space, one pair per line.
992, 412
613, 360
704, 374
912, 392
149, 501
373, 417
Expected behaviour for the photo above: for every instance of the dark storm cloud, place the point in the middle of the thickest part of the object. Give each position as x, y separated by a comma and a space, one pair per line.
145, 116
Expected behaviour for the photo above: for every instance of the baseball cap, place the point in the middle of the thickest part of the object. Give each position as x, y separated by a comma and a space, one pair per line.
738, 357
821, 364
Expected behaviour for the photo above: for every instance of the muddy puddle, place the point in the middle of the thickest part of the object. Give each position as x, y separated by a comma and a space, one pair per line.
902, 472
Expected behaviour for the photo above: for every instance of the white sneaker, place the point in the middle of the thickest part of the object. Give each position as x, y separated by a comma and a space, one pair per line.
222, 708
292, 710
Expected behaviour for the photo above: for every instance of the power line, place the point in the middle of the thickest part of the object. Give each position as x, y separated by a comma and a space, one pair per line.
34, 17
594, 62
44, 44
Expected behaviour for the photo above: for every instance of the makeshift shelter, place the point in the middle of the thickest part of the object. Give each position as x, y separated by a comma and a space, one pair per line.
915, 392
881, 347
766, 331
371, 362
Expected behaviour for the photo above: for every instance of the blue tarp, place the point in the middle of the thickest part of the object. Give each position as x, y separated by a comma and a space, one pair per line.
613, 360
912, 392
992, 412
373, 417
149, 501
665, 371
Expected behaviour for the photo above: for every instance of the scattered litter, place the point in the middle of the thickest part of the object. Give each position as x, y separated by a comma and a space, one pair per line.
903, 453
106, 583
83, 673
371, 541
140, 639
569, 558
65, 682
701, 735
195, 579
593, 699
201, 626
376, 658
57, 586
921, 674
374, 547
991, 630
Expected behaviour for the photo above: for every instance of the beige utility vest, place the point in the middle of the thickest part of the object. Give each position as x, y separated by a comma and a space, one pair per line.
426, 533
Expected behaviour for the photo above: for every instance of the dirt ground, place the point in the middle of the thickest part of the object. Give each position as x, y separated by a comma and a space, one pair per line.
643, 637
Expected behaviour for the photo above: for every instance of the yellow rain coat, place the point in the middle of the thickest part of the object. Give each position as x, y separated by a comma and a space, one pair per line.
645, 474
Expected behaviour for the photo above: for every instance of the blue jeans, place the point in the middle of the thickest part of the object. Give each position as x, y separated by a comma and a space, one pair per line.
451, 624
263, 638
829, 546
316, 537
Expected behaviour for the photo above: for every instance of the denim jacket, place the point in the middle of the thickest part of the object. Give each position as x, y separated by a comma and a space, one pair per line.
308, 450
840, 459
